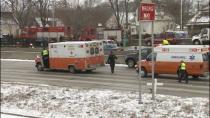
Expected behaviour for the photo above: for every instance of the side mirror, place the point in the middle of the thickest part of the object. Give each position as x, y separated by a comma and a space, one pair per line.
148, 59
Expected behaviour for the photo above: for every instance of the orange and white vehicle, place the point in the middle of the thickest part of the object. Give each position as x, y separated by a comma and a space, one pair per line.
167, 60
72, 56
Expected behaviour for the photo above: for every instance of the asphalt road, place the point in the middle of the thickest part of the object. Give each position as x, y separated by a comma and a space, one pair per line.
124, 79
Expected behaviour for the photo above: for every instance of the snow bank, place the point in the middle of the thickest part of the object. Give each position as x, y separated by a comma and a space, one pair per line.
61, 102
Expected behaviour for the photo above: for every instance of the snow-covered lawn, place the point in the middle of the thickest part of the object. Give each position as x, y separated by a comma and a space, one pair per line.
61, 102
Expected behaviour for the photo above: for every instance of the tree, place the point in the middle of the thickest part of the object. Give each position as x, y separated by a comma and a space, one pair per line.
21, 10
173, 8
115, 7
43, 9
78, 18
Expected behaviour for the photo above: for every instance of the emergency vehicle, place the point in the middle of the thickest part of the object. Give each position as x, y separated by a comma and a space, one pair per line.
73, 56
167, 59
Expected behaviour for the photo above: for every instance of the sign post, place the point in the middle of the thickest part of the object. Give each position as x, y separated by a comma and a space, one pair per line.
146, 13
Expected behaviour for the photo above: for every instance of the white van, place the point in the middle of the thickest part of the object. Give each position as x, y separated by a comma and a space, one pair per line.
202, 38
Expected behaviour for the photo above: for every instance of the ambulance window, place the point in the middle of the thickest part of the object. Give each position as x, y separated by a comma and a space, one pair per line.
92, 51
149, 57
96, 50
104, 42
205, 57
144, 51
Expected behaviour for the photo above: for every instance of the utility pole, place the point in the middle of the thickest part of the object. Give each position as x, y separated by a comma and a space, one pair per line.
198, 5
53, 5
181, 17
125, 39
126, 13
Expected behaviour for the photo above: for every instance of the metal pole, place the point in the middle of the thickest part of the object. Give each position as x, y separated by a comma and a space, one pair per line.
53, 13
181, 16
139, 75
153, 85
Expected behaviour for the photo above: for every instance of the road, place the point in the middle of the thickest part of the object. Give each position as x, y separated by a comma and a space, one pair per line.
124, 79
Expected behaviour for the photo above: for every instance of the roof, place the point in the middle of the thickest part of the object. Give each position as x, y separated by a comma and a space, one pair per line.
201, 18
73, 42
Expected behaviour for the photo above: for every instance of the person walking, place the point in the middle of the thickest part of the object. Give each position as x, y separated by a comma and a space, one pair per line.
111, 61
182, 73
45, 57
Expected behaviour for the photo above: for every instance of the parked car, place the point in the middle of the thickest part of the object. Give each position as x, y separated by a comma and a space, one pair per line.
132, 59
172, 37
110, 45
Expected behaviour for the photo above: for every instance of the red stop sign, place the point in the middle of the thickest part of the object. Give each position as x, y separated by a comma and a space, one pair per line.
147, 12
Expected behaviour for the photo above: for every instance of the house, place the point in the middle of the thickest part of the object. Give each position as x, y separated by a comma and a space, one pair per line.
200, 20
162, 23
111, 23
9, 24
50, 22
113, 34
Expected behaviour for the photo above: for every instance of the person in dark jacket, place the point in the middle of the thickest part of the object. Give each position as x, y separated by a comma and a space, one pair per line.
111, 61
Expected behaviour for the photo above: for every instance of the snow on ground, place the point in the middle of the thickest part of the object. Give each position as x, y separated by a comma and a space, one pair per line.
24, 60
61, 102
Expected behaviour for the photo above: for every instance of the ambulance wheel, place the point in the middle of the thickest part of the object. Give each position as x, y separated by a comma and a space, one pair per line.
195, 76
196, 42
156, 75
89, 71
143, 72
39, 67
131, 63
71, 69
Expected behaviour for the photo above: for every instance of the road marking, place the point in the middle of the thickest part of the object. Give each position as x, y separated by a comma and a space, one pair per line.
159, 84
20, 51
109, 85
19, 115
18, 60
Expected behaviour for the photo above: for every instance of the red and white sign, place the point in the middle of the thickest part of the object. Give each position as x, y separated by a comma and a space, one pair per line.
147, 12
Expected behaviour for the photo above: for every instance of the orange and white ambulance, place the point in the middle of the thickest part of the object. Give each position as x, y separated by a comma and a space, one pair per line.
167, 60
72, 56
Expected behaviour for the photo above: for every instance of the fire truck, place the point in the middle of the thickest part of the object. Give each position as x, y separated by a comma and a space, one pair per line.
88, 34
36, 35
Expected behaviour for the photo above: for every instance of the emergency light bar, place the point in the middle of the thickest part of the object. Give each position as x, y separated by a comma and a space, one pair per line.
182, 48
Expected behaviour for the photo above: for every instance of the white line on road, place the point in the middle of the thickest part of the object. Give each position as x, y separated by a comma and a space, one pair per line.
20, 52
23, 60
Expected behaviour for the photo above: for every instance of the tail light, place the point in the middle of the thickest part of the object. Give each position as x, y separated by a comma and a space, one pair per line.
81, 46
37, 56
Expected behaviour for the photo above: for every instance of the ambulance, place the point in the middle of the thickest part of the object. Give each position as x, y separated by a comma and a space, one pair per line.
73, 56
167, 59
